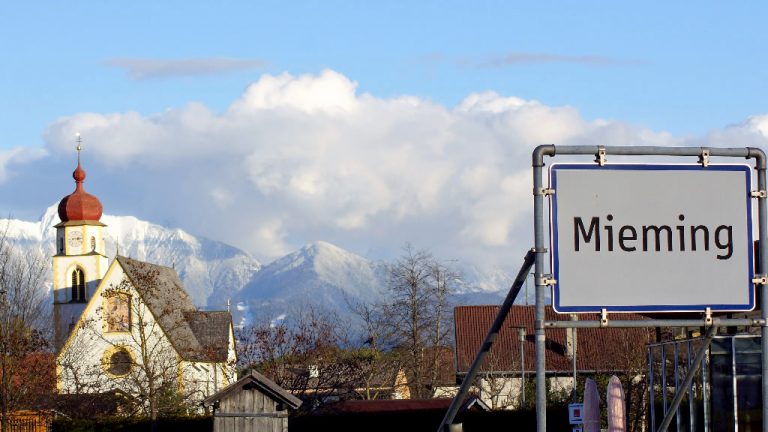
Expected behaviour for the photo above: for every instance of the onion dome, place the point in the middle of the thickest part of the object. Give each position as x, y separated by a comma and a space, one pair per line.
79, 205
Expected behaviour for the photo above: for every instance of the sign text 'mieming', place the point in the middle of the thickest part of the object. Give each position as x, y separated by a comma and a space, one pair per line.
651, 237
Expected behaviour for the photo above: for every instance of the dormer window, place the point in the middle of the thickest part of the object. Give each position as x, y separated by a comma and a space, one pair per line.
78, 285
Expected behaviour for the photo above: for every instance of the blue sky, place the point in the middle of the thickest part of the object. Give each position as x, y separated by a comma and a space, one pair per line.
684, 67
680, 72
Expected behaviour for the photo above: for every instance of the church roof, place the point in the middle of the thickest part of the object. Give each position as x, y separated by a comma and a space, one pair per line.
196, 336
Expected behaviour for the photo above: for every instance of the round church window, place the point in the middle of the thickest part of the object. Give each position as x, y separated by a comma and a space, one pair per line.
119, 362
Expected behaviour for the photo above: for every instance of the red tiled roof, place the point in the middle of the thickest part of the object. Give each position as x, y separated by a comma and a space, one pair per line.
597, 349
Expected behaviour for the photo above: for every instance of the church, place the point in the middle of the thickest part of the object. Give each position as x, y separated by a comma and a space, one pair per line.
128, 325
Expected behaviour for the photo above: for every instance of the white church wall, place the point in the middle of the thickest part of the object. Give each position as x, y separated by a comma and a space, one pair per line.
82, 366
83, 357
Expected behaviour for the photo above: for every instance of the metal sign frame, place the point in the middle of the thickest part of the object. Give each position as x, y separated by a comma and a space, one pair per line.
544, 279
537, 257
691, 281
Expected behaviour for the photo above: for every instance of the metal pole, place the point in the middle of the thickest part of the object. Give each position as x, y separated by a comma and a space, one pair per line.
541, 287
762, 215
663, 371
677, 383
734, 386
651, 392
719, 322
522, 362
687, 381
574, 317
514, 290
705, 392
691, 404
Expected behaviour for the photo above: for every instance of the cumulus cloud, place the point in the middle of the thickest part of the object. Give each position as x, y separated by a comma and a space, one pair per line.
17, 156
302, 158
145, 68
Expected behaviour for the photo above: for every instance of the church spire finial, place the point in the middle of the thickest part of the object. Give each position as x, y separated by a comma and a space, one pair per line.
79, 147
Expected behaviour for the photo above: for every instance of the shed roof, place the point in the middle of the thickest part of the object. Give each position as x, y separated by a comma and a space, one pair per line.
260, 382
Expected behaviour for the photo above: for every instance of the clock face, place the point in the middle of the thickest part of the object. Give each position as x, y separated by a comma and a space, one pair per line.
75, 238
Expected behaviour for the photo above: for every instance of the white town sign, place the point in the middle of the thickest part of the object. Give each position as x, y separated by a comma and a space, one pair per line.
661, 238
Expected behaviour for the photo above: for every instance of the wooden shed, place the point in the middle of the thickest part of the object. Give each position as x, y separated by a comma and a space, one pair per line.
253, 403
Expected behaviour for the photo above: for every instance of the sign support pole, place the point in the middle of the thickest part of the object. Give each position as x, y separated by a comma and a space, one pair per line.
485, 348
541, 287
762, 215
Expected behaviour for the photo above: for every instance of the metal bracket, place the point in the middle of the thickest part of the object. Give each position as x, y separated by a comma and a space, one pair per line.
603, 317
759, 194
708, 317
760, 280
600, 156
539, 250
543, 192
545, 280
704, 157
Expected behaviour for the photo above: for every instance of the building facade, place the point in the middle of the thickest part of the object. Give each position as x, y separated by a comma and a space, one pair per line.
128, 325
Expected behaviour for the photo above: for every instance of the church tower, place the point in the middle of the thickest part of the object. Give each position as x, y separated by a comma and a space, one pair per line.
80, 261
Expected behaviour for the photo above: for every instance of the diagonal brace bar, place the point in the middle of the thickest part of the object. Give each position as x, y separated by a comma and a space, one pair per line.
672, 409
514, 290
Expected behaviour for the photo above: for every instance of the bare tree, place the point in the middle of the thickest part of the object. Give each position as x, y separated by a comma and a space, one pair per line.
378, 369
23, 318
305, 354
418, 290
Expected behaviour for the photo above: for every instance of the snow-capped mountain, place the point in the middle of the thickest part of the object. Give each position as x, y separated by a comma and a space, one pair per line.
212, 272
326, 276
319, 274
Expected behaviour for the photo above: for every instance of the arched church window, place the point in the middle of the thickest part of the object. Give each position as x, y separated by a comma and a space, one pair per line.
78, 285
61, 245
93, 243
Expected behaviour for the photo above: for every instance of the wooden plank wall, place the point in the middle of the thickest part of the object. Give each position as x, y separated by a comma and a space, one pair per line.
247, 403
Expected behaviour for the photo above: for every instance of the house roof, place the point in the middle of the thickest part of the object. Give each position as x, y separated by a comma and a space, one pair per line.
196, 336
597, 349
260, 382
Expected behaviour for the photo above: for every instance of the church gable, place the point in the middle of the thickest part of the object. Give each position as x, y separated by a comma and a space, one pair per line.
141, 310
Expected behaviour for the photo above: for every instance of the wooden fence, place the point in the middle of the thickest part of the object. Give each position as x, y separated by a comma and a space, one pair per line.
29, 421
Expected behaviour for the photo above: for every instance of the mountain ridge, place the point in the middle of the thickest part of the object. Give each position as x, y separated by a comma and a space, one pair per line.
213, 272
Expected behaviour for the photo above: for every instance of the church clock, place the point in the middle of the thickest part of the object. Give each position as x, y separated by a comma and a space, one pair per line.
75, 239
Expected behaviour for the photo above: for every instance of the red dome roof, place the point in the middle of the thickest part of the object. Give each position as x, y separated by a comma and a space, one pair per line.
79, 205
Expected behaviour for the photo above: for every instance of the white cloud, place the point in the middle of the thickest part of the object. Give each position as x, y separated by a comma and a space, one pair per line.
17, 156
303, 158
759, 124
144, 68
